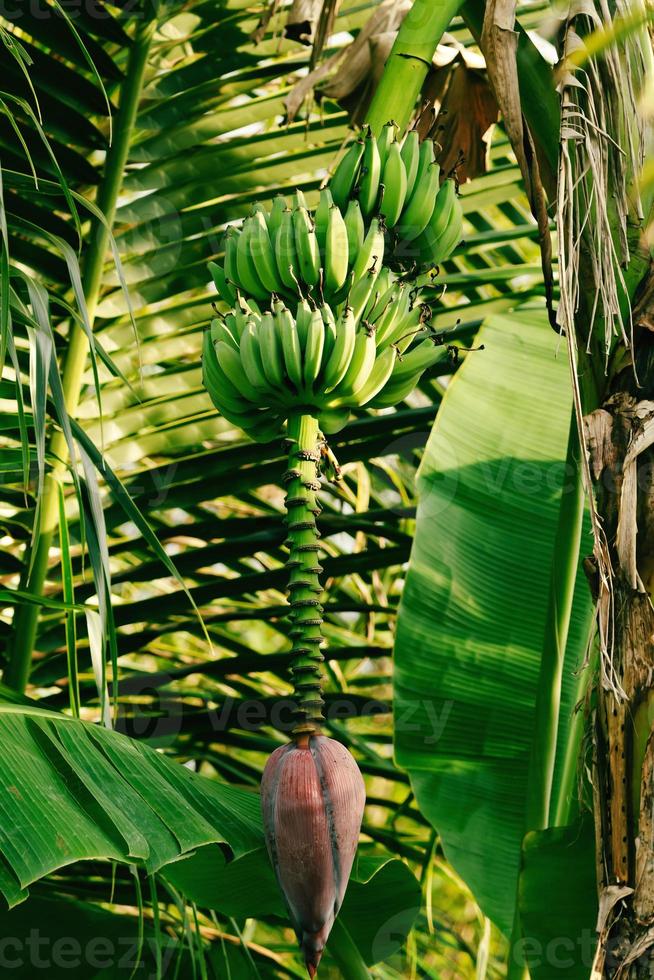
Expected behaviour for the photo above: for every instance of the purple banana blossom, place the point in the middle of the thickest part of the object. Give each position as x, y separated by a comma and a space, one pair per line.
312, 798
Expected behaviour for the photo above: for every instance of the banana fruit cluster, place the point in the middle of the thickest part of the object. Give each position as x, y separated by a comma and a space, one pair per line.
293, 252
260, 365
401, 184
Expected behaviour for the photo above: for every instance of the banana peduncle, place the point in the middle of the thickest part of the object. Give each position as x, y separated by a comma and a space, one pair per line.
304, 587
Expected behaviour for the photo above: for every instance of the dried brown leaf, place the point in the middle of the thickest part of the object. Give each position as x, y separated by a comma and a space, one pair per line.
258, 35
303, 20
467, 111
324, 29
354, 61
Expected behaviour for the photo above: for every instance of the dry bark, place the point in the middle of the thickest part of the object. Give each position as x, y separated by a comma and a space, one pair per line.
619, 437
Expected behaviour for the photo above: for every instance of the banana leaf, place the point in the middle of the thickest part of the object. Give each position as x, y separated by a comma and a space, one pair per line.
473, 613
72, 791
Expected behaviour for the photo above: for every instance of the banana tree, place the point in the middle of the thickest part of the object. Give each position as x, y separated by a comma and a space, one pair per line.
176, 164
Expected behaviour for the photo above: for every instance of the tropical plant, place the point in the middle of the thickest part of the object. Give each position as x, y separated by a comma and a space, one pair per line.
127, 500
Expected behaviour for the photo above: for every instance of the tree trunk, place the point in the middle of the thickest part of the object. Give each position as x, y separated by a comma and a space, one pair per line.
620, 439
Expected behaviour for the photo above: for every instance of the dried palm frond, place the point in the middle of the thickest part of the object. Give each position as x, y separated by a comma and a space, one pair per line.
303, 20
359, 64
601, 156
465, 110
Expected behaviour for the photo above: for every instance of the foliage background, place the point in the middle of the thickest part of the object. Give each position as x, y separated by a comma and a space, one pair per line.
208, 139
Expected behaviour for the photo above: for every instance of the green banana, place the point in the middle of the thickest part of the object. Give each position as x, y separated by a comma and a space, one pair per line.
410, 154
332, 420
359, 368
388, 134
356, 231
390, 321
248, 278
251, 358
344, 179
384, 292
443, 232
395, 184
225, 290
321, 218
394, 392
405, 327
371, 253
285, 253
360, 294
341, 354
313, 349
231, 272
219, 386
306, 245
368, 191
266, 428
381, 372
290, 344
242, 420
232, 325
385, 322
237, 321
336, 251
445, 245
230, 362
418, 209
249, 306
262, 253
302, 321
440, 216
330, 331
275, 217
272, 355
424, 355
220, 331
215, 327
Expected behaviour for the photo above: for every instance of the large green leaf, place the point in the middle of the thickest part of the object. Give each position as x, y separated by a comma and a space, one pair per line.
71, 791
472, 616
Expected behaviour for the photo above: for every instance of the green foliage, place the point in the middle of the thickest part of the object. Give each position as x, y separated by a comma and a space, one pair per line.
473, 613
160, 465
75, 791
558, 901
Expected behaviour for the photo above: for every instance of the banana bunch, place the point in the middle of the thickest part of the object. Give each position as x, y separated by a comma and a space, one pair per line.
259, 366
401, 183
293, 253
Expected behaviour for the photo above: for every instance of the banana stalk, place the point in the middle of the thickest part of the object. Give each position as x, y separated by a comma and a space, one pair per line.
301, 479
